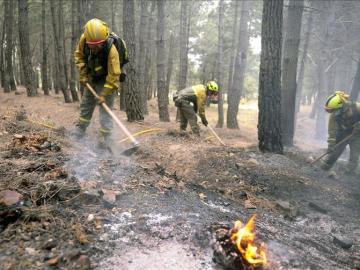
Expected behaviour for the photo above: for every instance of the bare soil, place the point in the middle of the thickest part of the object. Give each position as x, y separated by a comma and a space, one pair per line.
85, 208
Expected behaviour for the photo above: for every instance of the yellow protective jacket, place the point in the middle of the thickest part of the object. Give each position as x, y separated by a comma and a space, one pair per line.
341, 122
195, 94
111, 73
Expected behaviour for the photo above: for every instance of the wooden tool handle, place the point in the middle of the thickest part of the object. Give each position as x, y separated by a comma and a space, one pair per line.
217, 136
113, 116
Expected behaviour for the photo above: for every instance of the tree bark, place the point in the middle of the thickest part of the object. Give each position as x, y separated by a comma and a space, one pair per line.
289, 67
62, 39
74, 38
240, 67
355, 90
150, 51
269, 122
59, 50
233, 46
44, 49
132, 95
9, 83
183, 38
170, 64
144, 20
2, 66
220, 65
300, 79
23, 22
113, 8
55, 69
323, 62
160, 60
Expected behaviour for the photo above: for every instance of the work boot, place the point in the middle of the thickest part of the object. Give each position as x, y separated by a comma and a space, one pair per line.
324, 166
104, 142
350, 171
78, 133
196, 132
182, 131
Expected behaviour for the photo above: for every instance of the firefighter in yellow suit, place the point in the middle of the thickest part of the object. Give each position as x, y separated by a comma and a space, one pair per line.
98, 64
344, 120
195, 95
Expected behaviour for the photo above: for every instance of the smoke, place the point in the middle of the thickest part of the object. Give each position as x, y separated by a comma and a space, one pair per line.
305, 132
91, 163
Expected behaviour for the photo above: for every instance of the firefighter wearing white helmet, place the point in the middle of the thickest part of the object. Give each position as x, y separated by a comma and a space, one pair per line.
343, 121
97, 60
192, 100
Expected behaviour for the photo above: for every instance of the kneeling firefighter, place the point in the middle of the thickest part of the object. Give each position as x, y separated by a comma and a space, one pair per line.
196, 95
344, 120
99, 57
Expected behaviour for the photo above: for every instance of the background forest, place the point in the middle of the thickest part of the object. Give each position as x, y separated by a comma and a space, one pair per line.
174, 44
172, 202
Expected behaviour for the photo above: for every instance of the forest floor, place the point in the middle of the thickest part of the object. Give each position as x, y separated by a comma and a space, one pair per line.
77, 207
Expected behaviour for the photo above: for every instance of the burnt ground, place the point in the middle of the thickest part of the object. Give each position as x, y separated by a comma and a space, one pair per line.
84, 208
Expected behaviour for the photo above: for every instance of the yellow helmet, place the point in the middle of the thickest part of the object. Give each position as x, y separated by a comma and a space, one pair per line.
96, 31
336, 101
212, 86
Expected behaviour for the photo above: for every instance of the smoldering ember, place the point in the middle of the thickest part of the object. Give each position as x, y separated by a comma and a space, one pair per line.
168, 135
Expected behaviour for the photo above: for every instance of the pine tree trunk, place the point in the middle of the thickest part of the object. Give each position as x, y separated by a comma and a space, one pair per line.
233, 46
132, 95
80, 23
327, 18
269, 122
113, 8
239, 68
220, 65
170, 64
19, 64
160, 60
9, 74
183, 38
55, 69
44, 49
289, 67
59, 50
62, 39
23, 22
74, 37
2, 66
355, 90
300, 79
144, 20
348, 69
150, 51
320, 97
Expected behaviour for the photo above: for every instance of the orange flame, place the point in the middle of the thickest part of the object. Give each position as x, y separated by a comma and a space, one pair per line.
243, 237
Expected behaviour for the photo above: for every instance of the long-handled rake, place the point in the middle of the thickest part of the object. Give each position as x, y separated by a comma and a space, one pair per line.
135, 143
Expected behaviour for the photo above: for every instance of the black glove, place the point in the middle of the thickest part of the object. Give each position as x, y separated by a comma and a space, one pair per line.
204, 121
84, 81
122, 76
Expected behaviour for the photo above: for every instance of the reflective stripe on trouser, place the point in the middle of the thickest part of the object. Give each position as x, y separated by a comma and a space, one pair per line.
104, 132
187, 115
354, 154
87, 107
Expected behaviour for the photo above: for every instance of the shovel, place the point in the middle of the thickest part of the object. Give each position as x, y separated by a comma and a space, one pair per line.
135, 143
215, 134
